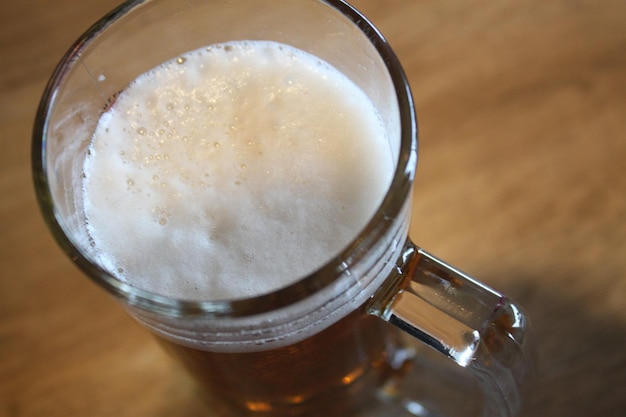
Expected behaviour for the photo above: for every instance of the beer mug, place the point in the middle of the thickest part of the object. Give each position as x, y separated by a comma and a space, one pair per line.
346, 340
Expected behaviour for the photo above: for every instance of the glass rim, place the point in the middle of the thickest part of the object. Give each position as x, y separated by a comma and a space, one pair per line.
300, 289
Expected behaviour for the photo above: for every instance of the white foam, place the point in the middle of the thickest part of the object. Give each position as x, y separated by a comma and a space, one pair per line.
232, 171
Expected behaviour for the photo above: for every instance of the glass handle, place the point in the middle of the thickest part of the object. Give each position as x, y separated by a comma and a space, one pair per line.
477, 327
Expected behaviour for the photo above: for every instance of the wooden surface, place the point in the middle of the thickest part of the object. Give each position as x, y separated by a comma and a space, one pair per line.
522, 183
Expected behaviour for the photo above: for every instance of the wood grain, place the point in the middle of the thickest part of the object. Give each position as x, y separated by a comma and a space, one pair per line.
522, 112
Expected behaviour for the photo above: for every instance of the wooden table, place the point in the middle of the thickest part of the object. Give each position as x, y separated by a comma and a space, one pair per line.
522, 183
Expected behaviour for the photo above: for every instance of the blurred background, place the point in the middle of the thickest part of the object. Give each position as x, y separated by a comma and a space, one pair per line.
521, 183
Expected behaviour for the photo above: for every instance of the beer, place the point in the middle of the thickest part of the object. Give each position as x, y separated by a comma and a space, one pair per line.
333, 373
230, 172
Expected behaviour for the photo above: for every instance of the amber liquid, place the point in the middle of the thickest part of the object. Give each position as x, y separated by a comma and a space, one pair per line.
336, 372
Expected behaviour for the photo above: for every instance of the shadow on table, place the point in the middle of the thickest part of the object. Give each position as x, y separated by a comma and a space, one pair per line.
581, 352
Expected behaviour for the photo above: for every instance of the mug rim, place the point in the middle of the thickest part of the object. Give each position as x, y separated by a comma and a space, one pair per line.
302, 288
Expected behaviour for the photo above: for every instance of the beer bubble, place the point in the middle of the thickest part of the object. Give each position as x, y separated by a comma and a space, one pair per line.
142, 131
244, 166
161, 215
296, 399
181, 60
352, 376
259, 406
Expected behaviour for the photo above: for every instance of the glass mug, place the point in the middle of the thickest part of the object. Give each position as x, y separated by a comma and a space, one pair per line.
334, 342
